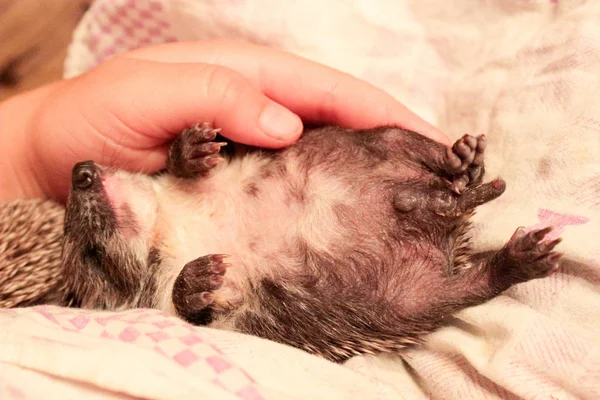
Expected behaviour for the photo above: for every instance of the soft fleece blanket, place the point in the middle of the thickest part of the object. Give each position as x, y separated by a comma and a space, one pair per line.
525, 73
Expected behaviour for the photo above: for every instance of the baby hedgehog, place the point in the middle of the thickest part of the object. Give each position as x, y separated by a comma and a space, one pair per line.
348, 242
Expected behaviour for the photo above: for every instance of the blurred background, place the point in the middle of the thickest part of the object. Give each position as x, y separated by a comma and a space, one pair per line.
34, 35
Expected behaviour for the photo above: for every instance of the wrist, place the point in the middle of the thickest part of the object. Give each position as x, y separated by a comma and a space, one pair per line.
18, 169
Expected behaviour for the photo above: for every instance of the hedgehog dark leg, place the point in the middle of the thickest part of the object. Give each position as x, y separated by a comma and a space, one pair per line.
464, 161
194, 153
193, 290
445, 203
460, 165
478, 195
526, 256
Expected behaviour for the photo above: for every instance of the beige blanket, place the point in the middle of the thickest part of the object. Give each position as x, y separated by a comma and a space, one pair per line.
525, 73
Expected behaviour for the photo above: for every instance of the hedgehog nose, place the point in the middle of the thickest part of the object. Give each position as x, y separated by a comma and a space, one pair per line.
84, 175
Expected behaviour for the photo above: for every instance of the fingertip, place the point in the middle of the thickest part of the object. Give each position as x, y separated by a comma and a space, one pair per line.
274, 126
280, 124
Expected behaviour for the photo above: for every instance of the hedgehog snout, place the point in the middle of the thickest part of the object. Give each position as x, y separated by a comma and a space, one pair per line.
85, 176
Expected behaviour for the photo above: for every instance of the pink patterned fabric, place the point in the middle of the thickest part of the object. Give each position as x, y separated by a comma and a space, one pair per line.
141, 328
113, 27
144, 353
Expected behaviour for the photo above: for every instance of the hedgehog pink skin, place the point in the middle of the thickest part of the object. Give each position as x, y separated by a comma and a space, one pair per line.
348, 242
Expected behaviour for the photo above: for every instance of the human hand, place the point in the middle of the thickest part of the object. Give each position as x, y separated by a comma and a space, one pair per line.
126, 111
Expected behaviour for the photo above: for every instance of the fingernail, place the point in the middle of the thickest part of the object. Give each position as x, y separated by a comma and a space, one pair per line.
279, 123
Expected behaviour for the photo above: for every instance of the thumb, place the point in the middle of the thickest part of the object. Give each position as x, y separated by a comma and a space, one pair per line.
161, 99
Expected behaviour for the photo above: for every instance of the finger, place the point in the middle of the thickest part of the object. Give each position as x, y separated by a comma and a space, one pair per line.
189, 94
315, 92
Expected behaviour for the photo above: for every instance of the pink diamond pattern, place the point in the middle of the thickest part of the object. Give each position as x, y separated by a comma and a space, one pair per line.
218, 364
155, 331
129, 334
48, 315
80, 321
158, 336
191, 339
165, 323
186, 357
104, 320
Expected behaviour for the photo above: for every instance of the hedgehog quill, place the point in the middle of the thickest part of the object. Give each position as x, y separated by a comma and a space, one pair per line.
346, 243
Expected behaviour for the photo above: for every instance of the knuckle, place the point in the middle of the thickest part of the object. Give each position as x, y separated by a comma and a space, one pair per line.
225, 86
327, 109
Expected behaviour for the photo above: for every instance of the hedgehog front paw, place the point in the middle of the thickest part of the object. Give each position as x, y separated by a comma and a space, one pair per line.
193, 290
464, 161
194, 153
